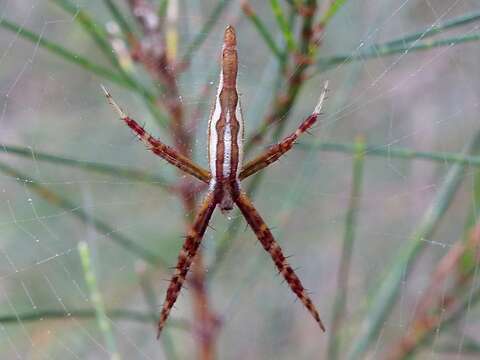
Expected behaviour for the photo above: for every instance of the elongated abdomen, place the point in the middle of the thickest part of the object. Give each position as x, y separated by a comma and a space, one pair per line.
225, 130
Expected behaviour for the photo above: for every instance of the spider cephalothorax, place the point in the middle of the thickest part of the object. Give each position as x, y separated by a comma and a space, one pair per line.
225, 153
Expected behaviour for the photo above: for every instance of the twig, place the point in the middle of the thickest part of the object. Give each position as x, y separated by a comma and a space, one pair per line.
97, 301
334, 7
151, 300
119, 18
394, 152
283, 25
262, 30
204, 31
339, 307
386, 295
103, 228
62, 52
117, 171
434, 307
118, 314
437, 29
382, 50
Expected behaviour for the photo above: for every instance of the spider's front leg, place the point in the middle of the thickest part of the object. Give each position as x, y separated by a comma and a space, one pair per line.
158, 148
276, 151
186, 255
265, 237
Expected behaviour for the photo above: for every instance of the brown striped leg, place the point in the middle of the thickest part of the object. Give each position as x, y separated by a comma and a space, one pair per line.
158, 148
277, 150
186, 255
269, 244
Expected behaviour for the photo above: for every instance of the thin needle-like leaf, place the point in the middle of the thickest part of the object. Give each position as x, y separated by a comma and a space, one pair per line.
151, 300
436, 29
388, 151
262, 30
56, 200
98, 35
97, 300
119, 18
204, 31
120, 314
63, 53
382, 50
117, 171
334, 7
339, 307
283, 25
385, 296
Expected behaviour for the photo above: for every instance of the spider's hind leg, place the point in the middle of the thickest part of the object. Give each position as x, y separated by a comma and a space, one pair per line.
186, 256
265, 237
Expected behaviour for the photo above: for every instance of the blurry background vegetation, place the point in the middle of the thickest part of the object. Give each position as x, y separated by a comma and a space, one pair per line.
385, 188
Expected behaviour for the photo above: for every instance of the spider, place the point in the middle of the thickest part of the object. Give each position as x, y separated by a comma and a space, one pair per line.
225, 136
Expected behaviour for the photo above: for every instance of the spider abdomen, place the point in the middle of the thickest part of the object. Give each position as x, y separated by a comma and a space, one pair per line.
225, 129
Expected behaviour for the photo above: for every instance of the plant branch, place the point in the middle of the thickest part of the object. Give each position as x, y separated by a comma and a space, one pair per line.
65, 54
117, 171
56, 200
393, 152
262, 30
339, 308
120, 314
97, 300
382, 50
204, 31
385, 296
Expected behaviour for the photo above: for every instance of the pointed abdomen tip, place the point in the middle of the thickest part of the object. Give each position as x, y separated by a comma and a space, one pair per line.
230, 39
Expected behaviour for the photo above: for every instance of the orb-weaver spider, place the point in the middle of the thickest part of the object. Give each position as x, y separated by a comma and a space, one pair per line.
225, 137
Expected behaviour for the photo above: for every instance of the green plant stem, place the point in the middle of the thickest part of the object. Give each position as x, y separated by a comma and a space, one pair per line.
263, 31
151, 300
101, 39
74, 58
331, 11
96, 33
436, 29
116, 171
384, 298
65, 54
381, 50
162, 8
470, 346
283, 25
394, 152
103, 228
119, 18
339, 307
204, 31
120, 314
296, 80
456, 315
97, 300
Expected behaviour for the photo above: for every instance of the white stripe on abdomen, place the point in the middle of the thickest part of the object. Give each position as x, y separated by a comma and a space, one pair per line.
227, 141
213, 140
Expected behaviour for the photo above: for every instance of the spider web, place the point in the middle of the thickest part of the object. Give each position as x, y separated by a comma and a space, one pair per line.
425, 101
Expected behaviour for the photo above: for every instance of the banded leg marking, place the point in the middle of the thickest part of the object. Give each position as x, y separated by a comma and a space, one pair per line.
186, 255
158, 148
271, 246
276, 151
